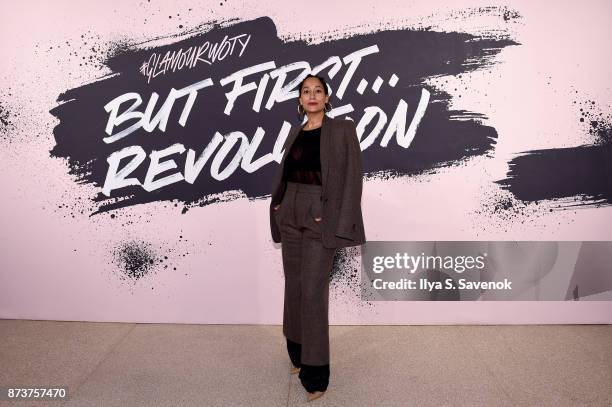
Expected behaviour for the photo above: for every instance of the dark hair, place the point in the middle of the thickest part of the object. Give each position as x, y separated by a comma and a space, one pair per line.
322, 80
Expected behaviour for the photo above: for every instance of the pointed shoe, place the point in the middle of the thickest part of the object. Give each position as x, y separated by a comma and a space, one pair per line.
314, 395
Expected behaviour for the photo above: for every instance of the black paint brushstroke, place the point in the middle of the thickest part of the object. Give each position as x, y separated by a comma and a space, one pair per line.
443, 137
583, 172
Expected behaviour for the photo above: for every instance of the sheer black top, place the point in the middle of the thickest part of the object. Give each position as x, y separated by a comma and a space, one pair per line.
303, 163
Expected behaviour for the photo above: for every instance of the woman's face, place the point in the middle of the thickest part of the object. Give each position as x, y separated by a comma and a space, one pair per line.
313, 97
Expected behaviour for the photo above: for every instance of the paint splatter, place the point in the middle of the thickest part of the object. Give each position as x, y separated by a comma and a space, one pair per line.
135, 259
509, 15
345, 279
138, 259
503, 12
4, 117
7, 118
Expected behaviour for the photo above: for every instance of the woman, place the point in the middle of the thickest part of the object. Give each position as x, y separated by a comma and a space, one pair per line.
315, 209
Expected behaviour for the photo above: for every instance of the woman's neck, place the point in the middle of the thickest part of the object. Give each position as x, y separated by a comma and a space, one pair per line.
314, 121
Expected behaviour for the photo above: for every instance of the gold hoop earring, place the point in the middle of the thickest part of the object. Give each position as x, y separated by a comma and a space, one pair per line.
326, 106
301, 113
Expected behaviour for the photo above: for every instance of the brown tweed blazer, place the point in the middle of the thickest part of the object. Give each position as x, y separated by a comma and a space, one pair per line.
342, 179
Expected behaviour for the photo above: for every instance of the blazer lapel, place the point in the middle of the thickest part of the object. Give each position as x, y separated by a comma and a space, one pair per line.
324, 149
289, 142
295, 130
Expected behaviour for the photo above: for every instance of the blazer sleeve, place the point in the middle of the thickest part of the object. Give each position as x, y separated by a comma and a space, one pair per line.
353, 176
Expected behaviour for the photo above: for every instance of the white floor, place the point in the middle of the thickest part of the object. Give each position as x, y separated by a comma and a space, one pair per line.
114, 364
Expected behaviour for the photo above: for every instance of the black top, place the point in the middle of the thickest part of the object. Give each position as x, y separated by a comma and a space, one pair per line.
303, 163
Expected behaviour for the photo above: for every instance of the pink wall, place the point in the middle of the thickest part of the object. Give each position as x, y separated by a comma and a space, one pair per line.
57, 263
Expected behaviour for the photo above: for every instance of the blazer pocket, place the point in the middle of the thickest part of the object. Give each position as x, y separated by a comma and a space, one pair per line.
277, 212
316, 211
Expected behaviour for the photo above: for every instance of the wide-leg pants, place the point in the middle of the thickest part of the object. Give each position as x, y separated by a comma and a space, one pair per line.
307, 267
